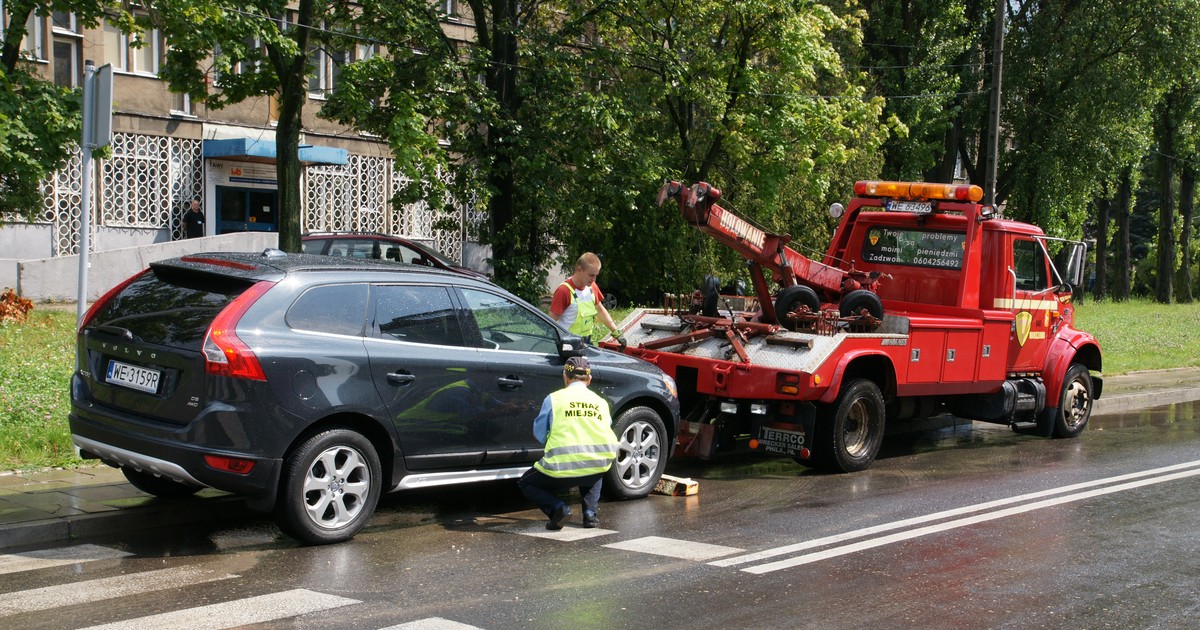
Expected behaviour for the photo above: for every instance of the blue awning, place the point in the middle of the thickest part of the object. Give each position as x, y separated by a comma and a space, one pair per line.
264, 151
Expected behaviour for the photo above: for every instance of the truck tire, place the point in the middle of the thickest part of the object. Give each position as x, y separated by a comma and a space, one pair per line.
1074, 403
849, 433
855, 301
642, 447
329, 488
793, 298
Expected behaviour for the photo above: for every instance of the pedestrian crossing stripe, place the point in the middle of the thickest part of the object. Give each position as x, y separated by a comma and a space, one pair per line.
566, 534
432, 623
260, 609
674, 548
100, 589
47, 558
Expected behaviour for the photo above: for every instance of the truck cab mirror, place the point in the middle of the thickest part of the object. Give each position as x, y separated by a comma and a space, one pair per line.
1074, 271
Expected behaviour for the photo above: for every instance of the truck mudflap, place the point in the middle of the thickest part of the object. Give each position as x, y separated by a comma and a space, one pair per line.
791, 436
793, 439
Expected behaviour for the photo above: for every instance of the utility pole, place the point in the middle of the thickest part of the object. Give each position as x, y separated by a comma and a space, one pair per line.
993, 155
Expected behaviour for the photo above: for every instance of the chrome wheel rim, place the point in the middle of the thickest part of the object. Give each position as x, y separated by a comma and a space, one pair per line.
1078, 405
336, 486
638, 453
857, 428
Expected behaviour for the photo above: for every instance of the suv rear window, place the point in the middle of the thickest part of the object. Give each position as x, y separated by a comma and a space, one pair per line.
170, 307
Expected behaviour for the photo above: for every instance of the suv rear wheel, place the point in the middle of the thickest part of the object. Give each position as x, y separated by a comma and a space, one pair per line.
329, 488
642, 449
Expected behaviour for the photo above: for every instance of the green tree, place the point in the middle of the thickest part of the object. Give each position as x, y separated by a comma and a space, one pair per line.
40, 122
251, 49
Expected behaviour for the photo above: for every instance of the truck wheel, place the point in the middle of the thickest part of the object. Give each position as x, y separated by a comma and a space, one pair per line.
158, 486
849, 434
855, 301
1074, 403
329, 488
642, 446
793, 298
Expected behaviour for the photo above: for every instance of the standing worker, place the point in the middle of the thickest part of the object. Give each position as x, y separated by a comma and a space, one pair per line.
193, 220
577, 302
576, 426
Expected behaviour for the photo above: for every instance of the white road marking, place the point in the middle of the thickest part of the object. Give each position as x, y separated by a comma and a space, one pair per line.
239, 612
964, 522
937, 516
673, 548
46, 558
566, 534
432, 623
105, 588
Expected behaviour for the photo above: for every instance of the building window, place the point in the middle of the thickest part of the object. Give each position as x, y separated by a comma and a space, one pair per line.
449, 8
66, 48
33, 45
327, 67
181, 104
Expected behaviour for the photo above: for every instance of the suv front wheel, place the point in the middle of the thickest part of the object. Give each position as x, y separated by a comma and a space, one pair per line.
642, 447
329, 488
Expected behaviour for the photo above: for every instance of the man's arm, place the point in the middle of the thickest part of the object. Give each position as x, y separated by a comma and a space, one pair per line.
541, 424
560, 301
606, 319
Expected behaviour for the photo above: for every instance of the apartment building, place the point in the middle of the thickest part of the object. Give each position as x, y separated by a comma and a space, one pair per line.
167, 150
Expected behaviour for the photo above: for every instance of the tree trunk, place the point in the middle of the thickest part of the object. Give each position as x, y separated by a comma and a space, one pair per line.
293, 92
1187, 198
1124, 264
1100, 287
1164, 280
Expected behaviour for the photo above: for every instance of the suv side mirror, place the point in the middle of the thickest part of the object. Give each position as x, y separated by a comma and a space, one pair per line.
570, 346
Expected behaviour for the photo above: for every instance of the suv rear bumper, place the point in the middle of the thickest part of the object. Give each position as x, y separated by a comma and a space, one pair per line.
181, 462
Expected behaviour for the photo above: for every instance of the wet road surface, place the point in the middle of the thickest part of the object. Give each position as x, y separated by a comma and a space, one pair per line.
968, 527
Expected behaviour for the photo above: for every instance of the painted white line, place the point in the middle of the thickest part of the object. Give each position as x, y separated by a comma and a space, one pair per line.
673, 548
105, 588
964, 522
236, 613
566, 534
937, 516
432, 623
46, 558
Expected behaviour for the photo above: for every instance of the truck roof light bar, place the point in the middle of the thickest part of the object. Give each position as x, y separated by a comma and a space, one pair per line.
918, 190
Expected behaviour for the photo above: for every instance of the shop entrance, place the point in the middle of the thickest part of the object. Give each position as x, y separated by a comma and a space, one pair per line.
247, 210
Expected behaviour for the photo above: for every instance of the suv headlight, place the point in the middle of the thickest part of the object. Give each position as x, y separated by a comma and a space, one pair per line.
670, 385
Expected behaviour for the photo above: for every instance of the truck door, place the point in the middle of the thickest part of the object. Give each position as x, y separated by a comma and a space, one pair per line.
1034, 304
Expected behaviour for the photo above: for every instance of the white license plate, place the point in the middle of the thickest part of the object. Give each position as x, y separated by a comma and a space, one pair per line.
916, 207
133, 377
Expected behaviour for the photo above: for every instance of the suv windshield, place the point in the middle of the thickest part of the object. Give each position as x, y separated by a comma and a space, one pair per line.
169, 308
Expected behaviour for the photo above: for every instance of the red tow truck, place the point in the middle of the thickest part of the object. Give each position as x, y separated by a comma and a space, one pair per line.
925, 302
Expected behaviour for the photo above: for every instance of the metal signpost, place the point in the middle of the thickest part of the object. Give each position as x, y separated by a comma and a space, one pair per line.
97, 132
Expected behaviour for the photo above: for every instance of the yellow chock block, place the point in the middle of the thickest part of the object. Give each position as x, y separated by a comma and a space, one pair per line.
676, 486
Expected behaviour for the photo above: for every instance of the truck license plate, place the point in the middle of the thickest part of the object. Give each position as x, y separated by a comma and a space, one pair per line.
916, 207
782, 439
133, 377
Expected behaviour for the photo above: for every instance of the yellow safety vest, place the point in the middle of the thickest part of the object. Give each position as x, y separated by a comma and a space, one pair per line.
581, 440
585, 309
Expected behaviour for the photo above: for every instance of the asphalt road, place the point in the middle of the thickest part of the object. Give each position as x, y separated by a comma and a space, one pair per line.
968, 527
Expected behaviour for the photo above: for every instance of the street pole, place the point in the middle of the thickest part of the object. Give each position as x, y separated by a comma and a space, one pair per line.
85, 209
993, 156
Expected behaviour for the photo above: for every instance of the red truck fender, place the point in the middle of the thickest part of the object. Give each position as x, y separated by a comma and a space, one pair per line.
872, 364
1071, 346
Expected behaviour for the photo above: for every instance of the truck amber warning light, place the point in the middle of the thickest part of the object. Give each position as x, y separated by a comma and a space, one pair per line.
918, 190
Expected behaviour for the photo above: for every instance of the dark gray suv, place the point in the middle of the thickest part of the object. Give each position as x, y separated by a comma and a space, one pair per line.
311, 384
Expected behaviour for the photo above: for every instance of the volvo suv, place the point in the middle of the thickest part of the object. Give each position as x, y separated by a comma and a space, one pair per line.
311, 384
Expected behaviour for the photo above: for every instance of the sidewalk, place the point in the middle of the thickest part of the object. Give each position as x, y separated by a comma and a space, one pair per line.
61, 506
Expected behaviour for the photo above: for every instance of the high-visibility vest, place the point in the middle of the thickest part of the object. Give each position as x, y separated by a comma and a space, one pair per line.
581, 440
584, 302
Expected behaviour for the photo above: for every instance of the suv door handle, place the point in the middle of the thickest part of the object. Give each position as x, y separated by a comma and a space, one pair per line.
510, 382
400, 378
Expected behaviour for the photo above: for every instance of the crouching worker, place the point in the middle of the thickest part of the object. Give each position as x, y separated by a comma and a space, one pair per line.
576, 426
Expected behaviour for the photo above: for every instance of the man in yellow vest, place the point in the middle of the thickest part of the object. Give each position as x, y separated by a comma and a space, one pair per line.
577, 303
576, 426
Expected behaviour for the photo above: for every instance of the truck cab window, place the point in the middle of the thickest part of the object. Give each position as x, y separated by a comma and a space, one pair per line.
1029, 263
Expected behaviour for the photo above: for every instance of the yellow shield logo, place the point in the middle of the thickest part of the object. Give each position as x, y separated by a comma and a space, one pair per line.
1023, 322
874, 238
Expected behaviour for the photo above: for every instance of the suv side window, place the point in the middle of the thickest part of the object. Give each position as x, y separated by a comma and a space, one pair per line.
417, 314
338, 309
506, 325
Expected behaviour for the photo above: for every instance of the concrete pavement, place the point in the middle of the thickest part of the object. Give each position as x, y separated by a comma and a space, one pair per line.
58, 506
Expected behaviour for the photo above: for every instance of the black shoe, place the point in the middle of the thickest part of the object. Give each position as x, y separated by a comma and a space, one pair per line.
590, 520
559, 515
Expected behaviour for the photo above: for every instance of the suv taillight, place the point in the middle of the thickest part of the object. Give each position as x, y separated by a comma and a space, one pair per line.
94, 309
224, 353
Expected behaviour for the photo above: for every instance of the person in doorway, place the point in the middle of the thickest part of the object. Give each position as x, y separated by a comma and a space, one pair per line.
575, 425
193, 220
578, 302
